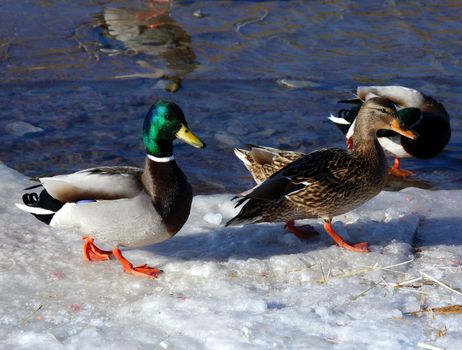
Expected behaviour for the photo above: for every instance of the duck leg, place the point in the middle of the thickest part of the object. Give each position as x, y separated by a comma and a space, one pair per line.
143, 270
92, 252
397, 171
302, 232
357, 247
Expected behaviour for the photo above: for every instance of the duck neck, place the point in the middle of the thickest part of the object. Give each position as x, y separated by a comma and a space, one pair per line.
366, 146
159, 177
159, 148
370, 150
164, 182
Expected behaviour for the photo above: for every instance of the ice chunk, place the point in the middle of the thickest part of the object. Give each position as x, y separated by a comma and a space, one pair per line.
213, 218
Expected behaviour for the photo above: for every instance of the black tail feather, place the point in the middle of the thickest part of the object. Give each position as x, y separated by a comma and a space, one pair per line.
352, 100
349, 115
249, 213
234, 221
45, 201
30, 199
32, 187
240, 201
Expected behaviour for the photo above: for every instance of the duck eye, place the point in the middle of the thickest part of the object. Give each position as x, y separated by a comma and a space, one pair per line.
168, 117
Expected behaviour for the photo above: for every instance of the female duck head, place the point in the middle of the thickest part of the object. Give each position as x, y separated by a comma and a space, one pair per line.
164, 122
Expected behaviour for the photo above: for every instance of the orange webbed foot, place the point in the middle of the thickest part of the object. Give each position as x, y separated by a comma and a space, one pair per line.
397, 171
400, 172
92, 252
302, 232
355, 247
142, 270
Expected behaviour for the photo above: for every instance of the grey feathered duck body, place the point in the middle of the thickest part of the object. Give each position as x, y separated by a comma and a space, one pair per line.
124, 206
329, 181
131, 207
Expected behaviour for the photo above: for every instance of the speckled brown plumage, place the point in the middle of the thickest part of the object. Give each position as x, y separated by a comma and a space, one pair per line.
262, 162
323, 183
329, 181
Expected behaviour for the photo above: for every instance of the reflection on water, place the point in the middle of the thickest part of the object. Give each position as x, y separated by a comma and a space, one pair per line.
150, 32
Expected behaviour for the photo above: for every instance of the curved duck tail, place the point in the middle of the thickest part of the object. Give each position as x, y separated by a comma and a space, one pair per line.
42, 206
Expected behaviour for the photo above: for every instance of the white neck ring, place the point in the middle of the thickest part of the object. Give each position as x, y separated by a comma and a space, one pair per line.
161, 159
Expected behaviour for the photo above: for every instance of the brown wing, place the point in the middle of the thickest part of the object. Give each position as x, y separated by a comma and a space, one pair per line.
262, 162
325, 166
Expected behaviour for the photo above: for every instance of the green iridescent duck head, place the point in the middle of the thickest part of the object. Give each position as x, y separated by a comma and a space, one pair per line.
164, 122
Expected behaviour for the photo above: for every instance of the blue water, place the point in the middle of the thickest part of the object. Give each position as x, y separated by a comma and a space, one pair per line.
85, 73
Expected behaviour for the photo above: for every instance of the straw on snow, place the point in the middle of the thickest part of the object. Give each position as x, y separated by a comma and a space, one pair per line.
374, 268
440, 283
428, 346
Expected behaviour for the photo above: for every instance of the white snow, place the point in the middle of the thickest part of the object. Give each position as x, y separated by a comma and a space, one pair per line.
250, 287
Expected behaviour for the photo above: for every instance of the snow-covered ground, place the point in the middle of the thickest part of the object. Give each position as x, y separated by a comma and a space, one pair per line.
251, 287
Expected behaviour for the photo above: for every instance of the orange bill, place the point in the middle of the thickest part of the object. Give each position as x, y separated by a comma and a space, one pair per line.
402, 129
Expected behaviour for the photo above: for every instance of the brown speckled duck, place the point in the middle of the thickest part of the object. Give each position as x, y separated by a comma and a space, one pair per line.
329, 181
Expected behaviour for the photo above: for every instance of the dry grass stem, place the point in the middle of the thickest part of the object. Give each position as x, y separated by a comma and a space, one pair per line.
428, 346
394, 271
404, 283
26, 319
450, 309
441, 283
364, 292
325, 278
375, 267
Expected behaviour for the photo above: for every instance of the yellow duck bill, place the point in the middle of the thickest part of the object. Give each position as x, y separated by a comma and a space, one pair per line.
186, 135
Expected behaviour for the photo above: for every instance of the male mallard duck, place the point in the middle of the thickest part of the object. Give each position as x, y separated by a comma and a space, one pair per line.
422, 113
124, 206
329, 181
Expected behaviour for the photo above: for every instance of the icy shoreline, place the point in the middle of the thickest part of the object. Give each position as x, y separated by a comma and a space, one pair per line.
251, 287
